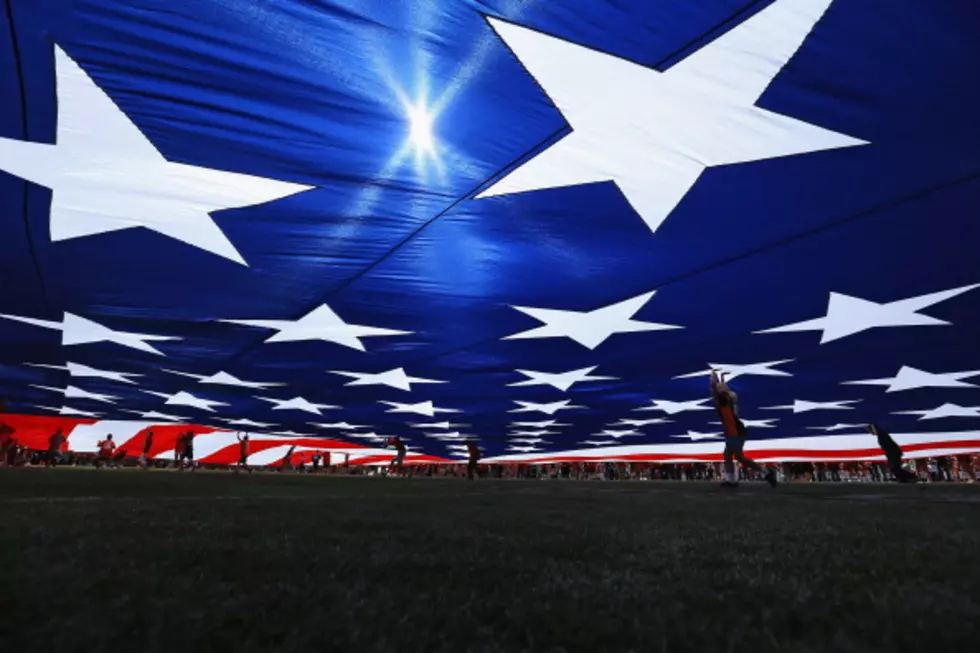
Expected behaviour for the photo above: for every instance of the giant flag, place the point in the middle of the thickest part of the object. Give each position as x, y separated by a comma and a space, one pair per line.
536, 224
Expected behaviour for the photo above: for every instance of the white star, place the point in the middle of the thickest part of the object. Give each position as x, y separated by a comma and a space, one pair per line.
590, 328
319, 324
802, 406
547, 409
245, 422
533, 434
600, 443
371, 436
562, 381
675, 407
186, 399
613, 433
520, 449
76, 369
290, 434
543, 424
71, 392
735, 371
449, 435
848, 315
755, 423
77, 330
694, 436
223, 378
437, 425
152, 414
342, 426
298, 403
426, 408
105, 175
529, 441
910, 378
654, 133
396, 378
946, 410
68, 410
837, 427
641, 422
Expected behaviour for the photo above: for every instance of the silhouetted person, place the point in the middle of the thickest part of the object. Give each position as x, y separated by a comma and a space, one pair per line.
726, 403
893, 453
147, 445
54, 448
474, 453
400, 451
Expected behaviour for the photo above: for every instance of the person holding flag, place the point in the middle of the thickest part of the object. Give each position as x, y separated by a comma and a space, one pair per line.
473, 449
400, 449
243, 447
726, 403
287, 461
106, 448
893, 453
55, 443
144, 458
187, 451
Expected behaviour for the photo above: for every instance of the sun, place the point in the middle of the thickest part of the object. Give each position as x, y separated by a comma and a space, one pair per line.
420, 128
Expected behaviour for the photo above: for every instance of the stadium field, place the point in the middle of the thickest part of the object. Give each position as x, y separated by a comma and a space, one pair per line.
117, 560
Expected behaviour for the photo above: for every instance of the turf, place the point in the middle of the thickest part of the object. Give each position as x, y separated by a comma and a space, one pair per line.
123, 560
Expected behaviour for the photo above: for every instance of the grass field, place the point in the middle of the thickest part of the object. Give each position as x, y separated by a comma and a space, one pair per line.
123, 560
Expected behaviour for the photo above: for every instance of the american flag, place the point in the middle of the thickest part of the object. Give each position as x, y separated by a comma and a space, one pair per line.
533, 224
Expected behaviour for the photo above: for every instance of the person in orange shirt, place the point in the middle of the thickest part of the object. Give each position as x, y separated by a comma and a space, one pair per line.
106, 447
242, 453
726, 403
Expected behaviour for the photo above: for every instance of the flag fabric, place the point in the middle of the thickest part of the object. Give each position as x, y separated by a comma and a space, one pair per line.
538, 225
211, 446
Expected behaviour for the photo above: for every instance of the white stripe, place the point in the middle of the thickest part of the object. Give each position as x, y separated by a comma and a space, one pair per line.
684, 452
84, 438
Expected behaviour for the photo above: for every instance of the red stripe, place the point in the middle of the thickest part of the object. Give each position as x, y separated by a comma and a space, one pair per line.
33, 431
822, 455
410, 459
164, 438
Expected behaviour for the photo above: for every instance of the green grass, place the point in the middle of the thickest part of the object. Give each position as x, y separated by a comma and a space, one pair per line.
123, 560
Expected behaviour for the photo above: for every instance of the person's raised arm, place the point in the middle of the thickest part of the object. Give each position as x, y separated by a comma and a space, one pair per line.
718, 384
722, 384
